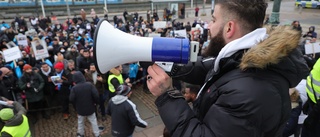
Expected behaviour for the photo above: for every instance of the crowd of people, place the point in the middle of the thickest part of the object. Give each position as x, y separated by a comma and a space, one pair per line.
242, 67
46, 85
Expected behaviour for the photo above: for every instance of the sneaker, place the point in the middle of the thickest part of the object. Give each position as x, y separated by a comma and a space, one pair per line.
66, 116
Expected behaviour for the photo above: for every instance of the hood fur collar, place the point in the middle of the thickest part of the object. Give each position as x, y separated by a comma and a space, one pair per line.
281, 41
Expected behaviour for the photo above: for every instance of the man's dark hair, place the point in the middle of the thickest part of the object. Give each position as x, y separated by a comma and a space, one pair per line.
43, 63
250, 13
194, 89
86, 50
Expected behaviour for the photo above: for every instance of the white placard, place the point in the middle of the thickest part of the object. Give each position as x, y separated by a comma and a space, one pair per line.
180, 33
80, 31
159, 24
12, 54
39, 48
22, 40
11, 45
32, 33
311, 48
154, 35
55, 80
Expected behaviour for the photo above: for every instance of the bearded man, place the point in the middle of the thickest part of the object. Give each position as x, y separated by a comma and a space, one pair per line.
245, 89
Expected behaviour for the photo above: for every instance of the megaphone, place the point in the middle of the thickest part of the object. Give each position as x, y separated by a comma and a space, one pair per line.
113, 47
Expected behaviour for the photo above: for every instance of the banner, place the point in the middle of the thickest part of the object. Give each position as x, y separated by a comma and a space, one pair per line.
12, 54
159, 24
154, 35
180, 33
311, 48
39, 48
22, 40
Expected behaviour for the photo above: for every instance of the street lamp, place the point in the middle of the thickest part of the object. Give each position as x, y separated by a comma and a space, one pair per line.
42, 7
274, 18
105, 5
68, 9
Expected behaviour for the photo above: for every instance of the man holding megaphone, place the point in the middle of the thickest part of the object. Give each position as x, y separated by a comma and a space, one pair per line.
245, 91
245, 94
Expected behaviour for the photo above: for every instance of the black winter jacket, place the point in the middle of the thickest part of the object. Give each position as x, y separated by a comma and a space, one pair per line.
84, 95
247, 97
124, 116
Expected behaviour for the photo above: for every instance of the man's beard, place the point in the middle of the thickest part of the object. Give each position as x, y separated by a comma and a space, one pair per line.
215, 45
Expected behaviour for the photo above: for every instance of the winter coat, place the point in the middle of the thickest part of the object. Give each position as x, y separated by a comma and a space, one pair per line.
248, 95
100, 86
124, 116
72, 55
35, 92
83, 95
84, 63
66, 84
134, 67
48, 86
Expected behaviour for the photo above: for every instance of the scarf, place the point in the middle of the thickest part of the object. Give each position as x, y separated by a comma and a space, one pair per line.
247, 41
46, 73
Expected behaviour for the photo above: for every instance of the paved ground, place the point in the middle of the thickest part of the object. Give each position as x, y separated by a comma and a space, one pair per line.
57, 127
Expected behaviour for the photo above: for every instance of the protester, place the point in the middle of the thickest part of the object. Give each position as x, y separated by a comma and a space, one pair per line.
62, 84
124, 114
98, 80
115, 79
191, 92
248, 72
33, 84
16, 125
85, 97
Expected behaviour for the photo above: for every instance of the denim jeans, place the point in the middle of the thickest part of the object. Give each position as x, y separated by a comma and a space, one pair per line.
93, 120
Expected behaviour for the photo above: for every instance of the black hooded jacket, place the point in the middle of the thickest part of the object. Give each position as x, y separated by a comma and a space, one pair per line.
247, 97
124, 116
83, 95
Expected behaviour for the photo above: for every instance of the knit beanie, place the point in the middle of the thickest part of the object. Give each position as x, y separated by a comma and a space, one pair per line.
6, 114
26, 67
59, 65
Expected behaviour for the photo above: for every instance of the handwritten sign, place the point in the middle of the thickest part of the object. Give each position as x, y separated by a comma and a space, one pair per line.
12, 54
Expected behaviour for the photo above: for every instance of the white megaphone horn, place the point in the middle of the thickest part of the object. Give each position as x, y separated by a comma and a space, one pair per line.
113, 47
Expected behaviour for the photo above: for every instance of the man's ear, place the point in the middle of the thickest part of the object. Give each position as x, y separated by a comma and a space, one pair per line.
230, 29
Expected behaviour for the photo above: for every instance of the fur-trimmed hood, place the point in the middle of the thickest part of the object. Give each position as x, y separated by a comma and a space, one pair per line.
282, 40
278, 53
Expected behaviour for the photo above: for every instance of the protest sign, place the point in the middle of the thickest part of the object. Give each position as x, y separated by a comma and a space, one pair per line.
22, 40
12, 54
39, 48
180, 33
159, 24
154, 35
311, 48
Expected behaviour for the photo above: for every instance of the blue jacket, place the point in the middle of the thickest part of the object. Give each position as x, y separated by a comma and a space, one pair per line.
133, 70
